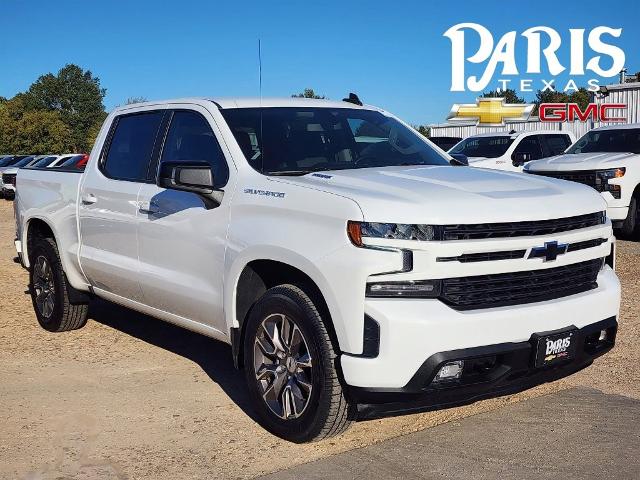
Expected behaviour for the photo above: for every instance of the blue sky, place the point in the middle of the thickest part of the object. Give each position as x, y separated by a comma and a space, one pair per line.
393, 54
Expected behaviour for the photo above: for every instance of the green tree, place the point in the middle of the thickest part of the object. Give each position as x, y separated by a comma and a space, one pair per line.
76, 95
509, 95
308, 93
582, 97
423, 130
133, 100
40, 131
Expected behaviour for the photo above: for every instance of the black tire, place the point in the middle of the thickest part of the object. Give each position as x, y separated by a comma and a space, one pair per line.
59, 315
327, 411
631, 225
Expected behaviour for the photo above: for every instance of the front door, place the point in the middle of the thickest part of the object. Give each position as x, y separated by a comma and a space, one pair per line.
181, 237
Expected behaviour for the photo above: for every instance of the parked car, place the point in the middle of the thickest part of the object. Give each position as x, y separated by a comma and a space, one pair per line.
352, 277
445, 143
61, 159
45, 161
75, 162
8, 175
607, 159
510, 151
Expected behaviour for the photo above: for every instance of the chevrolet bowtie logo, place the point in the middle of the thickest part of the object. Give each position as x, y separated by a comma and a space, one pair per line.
490, 112
549, 252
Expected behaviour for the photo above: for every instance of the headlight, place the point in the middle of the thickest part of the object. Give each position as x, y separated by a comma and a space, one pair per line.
603, 177
396, 231
612, 173
412, 289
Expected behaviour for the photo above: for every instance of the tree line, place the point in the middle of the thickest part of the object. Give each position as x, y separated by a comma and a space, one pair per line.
58, 113
63, 112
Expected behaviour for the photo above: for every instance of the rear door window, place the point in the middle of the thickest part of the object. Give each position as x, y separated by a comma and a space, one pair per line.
556, 144
529, 145
132, 140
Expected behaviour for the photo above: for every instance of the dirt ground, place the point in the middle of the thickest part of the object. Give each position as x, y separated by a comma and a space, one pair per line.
132, 397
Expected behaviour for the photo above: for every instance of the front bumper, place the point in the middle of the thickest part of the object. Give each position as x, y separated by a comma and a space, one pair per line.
510, 370
412, 330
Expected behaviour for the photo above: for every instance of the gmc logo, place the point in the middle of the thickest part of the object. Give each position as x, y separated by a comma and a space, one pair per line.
569, 112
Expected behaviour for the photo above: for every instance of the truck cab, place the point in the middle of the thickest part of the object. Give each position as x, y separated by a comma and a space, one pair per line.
511, 151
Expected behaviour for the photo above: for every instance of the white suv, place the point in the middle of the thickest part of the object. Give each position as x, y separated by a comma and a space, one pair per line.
510, 151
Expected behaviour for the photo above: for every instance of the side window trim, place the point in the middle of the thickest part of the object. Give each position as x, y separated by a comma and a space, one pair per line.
107, 145
170, 114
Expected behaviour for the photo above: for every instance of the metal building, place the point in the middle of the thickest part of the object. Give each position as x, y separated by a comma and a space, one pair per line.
627, 93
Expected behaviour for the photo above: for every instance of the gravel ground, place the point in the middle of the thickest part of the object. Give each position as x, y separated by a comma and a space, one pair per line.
132, 397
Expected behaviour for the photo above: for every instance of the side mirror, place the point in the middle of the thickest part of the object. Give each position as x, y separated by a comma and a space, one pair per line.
459, 160
520, 158
190, 177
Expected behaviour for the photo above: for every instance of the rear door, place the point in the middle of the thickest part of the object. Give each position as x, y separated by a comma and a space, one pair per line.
108, 204
181, 239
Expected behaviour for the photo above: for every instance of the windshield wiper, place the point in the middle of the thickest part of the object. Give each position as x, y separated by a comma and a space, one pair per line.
285, 173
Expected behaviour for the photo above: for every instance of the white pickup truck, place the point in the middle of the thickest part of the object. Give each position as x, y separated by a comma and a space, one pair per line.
608, 160
510, 151
352, 269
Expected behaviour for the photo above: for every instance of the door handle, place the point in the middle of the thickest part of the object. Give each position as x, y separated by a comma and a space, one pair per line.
88, 199
149, 208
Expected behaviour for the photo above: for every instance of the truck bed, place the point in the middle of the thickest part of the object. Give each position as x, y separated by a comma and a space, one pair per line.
50, 195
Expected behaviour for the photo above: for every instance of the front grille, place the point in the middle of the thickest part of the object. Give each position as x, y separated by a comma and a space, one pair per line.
586, 177
484, 257
516, 254
502, 289
520, 229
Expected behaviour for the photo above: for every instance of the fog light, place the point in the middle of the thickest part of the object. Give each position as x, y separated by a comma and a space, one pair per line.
603, 336
450, 371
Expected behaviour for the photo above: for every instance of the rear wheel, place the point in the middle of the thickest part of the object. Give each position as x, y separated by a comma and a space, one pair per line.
50, 291
631, 225
290, 368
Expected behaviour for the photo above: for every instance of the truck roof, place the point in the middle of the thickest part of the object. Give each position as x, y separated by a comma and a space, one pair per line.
253, 102
522, 133
622, 126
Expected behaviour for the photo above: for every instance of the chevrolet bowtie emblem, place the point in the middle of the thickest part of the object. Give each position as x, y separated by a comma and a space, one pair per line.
490, 112
549, 252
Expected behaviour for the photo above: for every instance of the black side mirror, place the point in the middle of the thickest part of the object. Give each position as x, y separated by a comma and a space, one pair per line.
459, 160
196, 177
520, 158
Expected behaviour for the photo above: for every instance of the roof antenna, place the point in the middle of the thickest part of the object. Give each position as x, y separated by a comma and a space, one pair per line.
260, 70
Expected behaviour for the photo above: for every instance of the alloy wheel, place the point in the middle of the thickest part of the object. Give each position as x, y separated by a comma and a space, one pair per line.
283, 366
43, 286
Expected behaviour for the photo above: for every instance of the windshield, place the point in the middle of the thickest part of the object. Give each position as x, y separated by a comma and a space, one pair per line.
297, 140
622, 140
489, 147
5, 162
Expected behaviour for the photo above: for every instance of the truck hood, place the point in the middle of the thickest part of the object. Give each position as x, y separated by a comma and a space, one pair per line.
581, 161
452, 195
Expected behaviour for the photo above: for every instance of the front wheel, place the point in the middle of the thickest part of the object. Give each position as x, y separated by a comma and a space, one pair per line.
290, 368
631, 225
